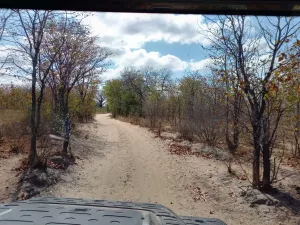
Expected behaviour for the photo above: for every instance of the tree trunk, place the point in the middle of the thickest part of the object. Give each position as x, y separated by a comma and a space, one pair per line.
101, 103
233, 144
61, 99
236, 121
39, 106
65, 147
256, 156
63, 111
191, 101
266, 183
32, 153
55, 100
67, 124
142, 109
297, 131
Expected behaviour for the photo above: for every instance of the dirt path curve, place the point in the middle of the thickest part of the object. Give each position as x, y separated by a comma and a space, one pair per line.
121, 161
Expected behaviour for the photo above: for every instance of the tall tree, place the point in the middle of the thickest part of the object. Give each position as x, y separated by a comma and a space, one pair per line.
80, 57
27, 31
255, 66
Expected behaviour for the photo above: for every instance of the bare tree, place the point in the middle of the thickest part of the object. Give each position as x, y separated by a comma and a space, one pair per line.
173, 105
235, 35
27, 35
225, 68
100, 98
191, 91
47, 56
5, 14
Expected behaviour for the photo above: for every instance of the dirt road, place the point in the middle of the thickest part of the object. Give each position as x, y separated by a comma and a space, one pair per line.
121, 161
8, 178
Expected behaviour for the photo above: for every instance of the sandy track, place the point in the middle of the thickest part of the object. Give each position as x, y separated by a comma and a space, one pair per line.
8, 177
121, 161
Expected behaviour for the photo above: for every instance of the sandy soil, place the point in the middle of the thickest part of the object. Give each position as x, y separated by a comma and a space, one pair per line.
9, 177
121, 161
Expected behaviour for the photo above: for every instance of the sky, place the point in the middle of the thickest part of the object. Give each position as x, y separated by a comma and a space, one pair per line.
148, 40
151, 40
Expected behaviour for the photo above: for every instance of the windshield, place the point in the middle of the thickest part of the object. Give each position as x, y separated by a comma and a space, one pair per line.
199, 113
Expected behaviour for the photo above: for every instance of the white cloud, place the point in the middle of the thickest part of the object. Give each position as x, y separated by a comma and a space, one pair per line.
140, 58
131, 30
111, 74
201, 65
124, 34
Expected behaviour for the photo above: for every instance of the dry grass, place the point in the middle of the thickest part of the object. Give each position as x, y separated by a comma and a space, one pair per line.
143, 122
14, 146
135, 120
13, 136
101, 110
9, 116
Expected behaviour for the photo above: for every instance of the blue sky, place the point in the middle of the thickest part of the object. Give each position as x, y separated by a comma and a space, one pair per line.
186, 52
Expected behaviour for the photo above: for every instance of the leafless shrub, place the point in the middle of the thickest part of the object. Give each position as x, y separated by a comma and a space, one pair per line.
209, 134
186, 131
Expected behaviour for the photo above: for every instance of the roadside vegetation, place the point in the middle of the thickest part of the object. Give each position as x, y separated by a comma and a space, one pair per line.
59, 62
249, 103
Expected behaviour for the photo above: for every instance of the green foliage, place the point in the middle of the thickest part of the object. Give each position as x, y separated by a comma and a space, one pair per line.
121, 100
113, 92
129, 103
82, 106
